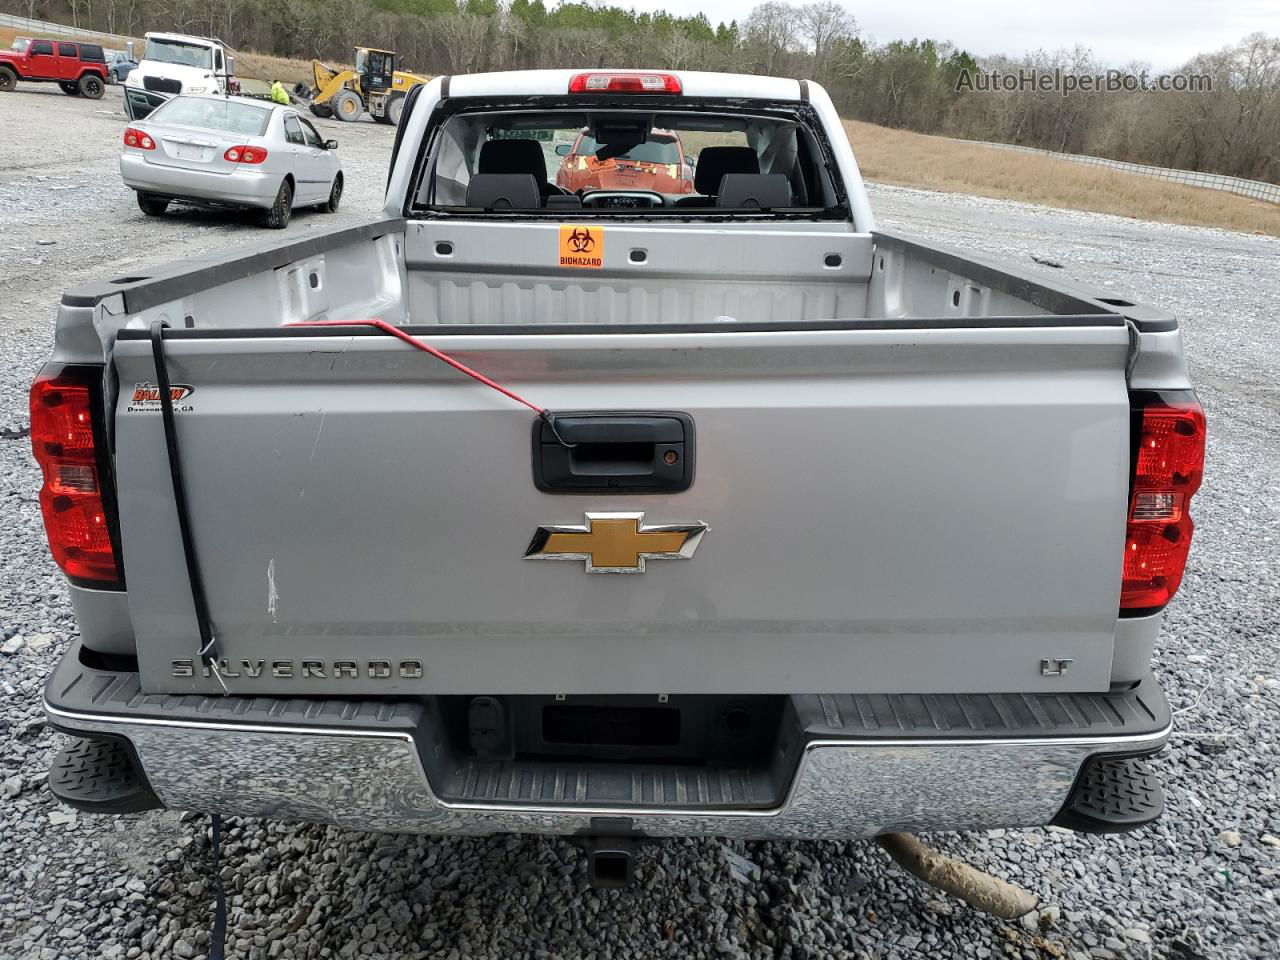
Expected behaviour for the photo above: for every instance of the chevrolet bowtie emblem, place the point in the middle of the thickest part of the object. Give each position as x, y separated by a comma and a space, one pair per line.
616, 542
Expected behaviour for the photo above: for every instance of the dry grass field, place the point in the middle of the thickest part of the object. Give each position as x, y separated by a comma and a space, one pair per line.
935, 163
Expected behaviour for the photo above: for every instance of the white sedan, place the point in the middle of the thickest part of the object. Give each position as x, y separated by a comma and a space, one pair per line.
235, 152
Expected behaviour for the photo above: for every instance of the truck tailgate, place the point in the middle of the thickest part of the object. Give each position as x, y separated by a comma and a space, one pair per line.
914, 506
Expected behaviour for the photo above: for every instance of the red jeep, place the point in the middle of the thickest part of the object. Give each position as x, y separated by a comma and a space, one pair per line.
78, 68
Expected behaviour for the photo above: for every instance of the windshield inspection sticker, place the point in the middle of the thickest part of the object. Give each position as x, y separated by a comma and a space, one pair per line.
146, 398
581, 247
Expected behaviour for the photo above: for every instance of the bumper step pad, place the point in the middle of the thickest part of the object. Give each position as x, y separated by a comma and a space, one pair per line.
1112, 795
99, 775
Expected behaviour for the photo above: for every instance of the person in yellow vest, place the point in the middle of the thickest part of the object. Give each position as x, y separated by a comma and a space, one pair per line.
279, 94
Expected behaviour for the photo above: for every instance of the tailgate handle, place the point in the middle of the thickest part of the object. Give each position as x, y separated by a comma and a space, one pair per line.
614, 453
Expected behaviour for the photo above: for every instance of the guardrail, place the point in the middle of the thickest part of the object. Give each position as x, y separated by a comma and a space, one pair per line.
1257, 189
49, 28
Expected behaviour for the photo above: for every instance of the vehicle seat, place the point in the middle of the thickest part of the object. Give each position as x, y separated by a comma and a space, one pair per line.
759, 191
713, 164
568, 201
517, 156
504, 191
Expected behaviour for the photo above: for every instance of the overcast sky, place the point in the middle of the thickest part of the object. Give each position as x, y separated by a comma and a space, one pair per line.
1164, 33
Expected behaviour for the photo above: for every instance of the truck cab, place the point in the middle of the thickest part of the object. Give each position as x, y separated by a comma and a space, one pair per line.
174, 63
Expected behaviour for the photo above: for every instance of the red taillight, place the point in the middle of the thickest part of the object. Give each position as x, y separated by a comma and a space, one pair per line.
245, 154
75, 497
133, 137
630, 82
1168, 466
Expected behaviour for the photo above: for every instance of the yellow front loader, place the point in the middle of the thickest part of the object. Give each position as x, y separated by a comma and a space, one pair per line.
374, 85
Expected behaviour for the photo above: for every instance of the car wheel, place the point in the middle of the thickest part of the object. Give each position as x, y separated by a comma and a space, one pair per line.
8, 79
91, 86
152, 205
395, 109
277, 217
346, 106
335, 196
69, 88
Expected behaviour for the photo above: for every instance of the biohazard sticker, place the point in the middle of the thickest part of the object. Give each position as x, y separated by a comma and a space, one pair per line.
581, 247
146, 397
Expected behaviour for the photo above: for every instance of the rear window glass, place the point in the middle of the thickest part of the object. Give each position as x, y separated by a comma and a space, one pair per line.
618, 161
92, 52
227, 116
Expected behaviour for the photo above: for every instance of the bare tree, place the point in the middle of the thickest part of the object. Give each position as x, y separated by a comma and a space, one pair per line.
824, 25
679, 50
771, 35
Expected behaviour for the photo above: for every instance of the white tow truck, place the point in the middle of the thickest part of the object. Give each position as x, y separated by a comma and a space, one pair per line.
174, 63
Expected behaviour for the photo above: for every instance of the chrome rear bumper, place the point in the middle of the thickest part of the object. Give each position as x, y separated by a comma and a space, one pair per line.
380, 766
367, 780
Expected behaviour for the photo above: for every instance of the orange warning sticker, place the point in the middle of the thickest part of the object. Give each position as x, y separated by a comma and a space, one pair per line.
581, 247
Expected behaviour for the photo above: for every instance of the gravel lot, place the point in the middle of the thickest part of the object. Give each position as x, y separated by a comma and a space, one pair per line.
1202, 883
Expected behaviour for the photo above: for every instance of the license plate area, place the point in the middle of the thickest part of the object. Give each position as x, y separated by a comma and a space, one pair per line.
188, 151
699, 729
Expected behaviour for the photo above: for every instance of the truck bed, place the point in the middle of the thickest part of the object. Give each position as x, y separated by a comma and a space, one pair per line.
802, 383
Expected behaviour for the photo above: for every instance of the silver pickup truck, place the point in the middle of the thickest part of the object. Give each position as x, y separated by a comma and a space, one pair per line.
852, 533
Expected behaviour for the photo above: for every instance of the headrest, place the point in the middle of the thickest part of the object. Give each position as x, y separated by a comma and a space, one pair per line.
565, 200
513, 156
504, 191
761, 191
715, 162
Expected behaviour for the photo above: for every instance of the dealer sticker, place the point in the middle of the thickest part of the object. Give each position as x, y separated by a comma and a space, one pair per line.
146, 397
581, 247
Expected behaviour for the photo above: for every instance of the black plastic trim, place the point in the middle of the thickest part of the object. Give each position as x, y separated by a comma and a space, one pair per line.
600, 329
1113, 793
548, 447
410, 99
1140, 711
77, 688
101, 774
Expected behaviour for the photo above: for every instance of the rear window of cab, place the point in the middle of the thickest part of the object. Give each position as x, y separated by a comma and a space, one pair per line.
671, 157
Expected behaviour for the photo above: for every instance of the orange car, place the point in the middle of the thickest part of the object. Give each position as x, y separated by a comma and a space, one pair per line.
658, 164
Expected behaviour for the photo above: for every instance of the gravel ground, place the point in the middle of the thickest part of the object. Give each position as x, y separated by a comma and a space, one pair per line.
1202, 883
